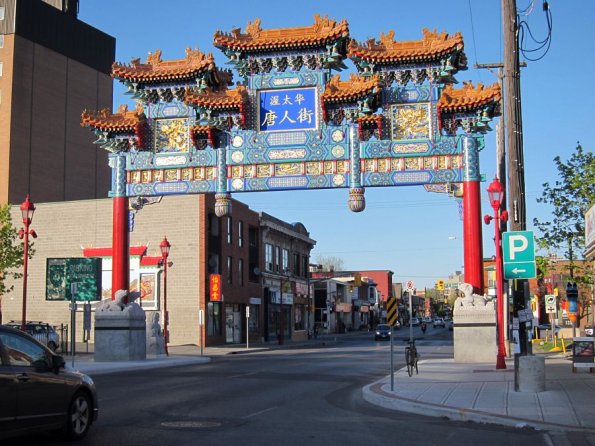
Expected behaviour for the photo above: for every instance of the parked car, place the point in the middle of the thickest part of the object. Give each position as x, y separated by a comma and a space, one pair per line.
450, 325
439, 322
548, 327
382, 332
38, 392
42, 332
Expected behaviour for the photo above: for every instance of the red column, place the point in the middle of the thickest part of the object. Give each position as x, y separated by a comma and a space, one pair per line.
120, 246
472, 235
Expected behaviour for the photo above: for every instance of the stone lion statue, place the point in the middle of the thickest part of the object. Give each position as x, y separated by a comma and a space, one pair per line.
123, 302
470, 299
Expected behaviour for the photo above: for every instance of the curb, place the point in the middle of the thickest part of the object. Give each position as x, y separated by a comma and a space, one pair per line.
373, 394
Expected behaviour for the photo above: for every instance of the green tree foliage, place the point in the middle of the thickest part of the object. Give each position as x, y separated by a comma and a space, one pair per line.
11, 253
572, 194
570, 197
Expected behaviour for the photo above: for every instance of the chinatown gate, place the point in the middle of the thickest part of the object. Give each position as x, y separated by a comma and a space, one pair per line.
291, 124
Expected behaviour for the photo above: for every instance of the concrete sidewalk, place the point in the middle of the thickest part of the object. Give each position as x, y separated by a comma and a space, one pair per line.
480, 393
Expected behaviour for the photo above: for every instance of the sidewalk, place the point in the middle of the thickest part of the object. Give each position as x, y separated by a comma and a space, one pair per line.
480, 393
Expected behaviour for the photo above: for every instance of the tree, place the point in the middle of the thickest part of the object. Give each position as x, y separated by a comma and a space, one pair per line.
11, 253
570, 196
330, 263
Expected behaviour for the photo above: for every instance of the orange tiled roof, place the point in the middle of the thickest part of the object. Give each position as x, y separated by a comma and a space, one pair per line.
468, 97
370, 119
155, 70
255, 38
219, 100
121, 121
345, 91
387, 50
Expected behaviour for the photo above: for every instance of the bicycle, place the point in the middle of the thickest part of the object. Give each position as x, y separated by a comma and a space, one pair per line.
411, 357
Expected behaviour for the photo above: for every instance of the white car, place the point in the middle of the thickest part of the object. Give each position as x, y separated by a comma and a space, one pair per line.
439, 322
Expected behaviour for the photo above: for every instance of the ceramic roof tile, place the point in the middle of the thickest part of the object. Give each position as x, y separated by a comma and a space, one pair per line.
156, 70
386, 50
354, 88
255, 38
121, 121
219, 100
468, 97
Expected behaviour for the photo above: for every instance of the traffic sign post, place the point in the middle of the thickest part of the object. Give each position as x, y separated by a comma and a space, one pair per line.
518, 251
391, 320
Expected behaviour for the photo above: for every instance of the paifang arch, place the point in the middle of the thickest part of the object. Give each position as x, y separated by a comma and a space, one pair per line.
293, 124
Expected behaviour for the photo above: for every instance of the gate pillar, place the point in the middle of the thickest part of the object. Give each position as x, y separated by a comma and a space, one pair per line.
472, 234
120, 234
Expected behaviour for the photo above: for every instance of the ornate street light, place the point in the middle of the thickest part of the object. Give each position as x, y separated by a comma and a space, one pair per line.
496, 194
27, 210
165, 247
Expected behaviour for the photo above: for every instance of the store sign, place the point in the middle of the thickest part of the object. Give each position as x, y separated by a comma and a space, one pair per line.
215, 287
62, 273
288, 109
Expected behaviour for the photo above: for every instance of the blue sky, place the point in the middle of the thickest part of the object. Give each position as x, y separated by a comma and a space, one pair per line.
414, 233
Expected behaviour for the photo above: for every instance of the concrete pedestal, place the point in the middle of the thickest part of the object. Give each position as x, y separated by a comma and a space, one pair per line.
120, 335
531, 374
475, 334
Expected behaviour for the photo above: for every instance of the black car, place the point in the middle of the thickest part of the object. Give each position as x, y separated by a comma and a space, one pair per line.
382, 332
37, 393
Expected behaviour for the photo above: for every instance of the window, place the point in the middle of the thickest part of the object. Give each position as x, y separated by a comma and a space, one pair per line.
214, 319
268, 256
277, 258
229, 270
1, 12
229, 230
0, 69
1, 40
240, 233
285, 265
21, 351
241, 272
296, 264
305, 269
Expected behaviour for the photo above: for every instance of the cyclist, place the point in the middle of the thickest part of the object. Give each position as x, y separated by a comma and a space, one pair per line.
423, 327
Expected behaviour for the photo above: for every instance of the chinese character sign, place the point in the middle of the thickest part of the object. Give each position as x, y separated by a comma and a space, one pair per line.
215, 287
288, 109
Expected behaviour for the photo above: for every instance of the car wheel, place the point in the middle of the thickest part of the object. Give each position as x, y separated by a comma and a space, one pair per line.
79, 416
52, 346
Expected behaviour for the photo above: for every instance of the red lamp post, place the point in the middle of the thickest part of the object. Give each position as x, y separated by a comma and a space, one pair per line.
27, 210
165, 246
496, 194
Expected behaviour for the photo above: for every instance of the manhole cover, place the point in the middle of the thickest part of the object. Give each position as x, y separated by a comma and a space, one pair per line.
190, 424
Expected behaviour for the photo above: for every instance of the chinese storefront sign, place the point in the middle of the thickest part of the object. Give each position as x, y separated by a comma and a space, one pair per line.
288, 109
215, 287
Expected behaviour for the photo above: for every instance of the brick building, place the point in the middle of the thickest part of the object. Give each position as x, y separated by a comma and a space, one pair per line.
52, 66
201, 245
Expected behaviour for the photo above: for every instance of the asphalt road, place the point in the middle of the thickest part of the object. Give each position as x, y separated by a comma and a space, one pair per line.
284, 397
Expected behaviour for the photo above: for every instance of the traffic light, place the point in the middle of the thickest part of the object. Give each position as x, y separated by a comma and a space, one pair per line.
440, 285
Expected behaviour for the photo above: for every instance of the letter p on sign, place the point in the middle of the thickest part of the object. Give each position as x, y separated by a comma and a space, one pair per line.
517, 244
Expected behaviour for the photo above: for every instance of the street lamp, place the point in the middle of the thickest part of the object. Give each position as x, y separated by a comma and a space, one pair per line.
165, 246
27, 210
496, 194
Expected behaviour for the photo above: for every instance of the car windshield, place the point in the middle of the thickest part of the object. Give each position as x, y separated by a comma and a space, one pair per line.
382, 327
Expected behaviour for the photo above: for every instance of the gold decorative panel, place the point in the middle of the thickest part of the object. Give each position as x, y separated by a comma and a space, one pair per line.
410, 121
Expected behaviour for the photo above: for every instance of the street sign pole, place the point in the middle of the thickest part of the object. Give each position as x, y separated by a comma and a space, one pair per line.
73, 292
392, 367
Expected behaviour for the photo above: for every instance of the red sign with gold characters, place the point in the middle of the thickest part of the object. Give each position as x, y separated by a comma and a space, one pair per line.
215, 287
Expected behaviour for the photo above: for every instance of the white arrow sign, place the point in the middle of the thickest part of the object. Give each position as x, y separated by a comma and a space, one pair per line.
517, 270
